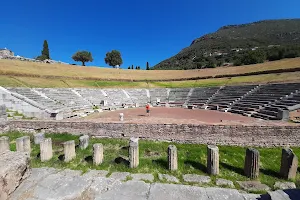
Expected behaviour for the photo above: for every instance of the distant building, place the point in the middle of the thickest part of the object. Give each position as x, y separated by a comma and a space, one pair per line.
4, 53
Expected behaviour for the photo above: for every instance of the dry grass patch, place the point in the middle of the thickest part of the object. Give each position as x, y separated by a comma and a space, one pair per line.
19, 68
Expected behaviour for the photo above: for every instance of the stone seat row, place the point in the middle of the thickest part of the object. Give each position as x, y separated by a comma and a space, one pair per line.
250, 100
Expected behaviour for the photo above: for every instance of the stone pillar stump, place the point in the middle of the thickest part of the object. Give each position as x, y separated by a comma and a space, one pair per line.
26, 143
84, 141
69, 150
46, 152
212, 160
134, 152
20, 144
4, 144
172, 157
251, 167
97, 154
38, 138
289, 164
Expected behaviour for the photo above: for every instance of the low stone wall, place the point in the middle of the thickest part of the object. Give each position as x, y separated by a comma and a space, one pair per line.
187, 133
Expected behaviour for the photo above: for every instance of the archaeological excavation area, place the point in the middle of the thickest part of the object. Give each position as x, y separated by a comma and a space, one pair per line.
230, 142
74, 166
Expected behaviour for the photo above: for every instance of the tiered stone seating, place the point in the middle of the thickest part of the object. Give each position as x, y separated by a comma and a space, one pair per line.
286, 103
138, 96
45, 102
258, 104
66, 97
227, 95
159, 93
178, 96
200, 96
117, 97
95, 96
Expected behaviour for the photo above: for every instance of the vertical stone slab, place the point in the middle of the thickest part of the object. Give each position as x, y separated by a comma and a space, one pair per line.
212, 160
251, 167
289, 164
69, 150
26, 143
84, 142
38, 138
20, 144
133, 152
46, 151
172, 157
4, 144
97, 154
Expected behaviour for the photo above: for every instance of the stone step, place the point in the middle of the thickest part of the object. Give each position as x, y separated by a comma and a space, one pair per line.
264, 116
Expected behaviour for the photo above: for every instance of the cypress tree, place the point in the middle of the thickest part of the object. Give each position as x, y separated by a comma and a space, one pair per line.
147, 66
45, 52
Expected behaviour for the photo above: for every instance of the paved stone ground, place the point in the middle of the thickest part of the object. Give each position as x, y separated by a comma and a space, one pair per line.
50, 184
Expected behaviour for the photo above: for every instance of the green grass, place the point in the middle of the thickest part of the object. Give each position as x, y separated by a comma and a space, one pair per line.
153, 158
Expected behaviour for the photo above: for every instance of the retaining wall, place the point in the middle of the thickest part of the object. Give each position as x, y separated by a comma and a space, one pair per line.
186, 133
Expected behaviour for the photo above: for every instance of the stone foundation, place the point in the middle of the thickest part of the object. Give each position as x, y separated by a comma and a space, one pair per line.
264, 136
14, 168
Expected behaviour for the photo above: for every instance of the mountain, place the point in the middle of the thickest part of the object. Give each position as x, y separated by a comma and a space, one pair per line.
235, 38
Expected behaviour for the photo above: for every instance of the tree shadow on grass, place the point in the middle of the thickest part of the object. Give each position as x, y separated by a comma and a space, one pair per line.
270, 172
196, 165
232, 168
161, 162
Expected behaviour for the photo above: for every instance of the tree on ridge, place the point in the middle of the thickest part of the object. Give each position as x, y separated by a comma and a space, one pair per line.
45, 52
113, 59
83, 56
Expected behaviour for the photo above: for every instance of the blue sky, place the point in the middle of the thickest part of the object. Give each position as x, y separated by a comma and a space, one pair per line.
141, 30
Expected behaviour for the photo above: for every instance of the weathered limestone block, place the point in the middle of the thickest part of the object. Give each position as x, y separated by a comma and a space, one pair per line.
69, 150
121, 117
172, 157
14, 168
212, 160
26, 143
134, 152
46, 149
23, 144
38, 138
20, 144
251, 167
4, 144
84, 142
289, 164
98, 154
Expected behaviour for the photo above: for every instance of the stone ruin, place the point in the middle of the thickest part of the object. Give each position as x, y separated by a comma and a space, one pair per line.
3, 115
5, 53
8, 54
14, 166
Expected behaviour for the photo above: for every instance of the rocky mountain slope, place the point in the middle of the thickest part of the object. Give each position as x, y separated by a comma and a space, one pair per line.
234, 38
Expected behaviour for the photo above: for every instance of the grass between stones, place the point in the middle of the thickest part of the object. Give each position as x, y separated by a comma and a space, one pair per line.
153, 159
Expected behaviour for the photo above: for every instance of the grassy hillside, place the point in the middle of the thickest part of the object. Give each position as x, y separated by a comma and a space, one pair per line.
27, 74
246, 36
